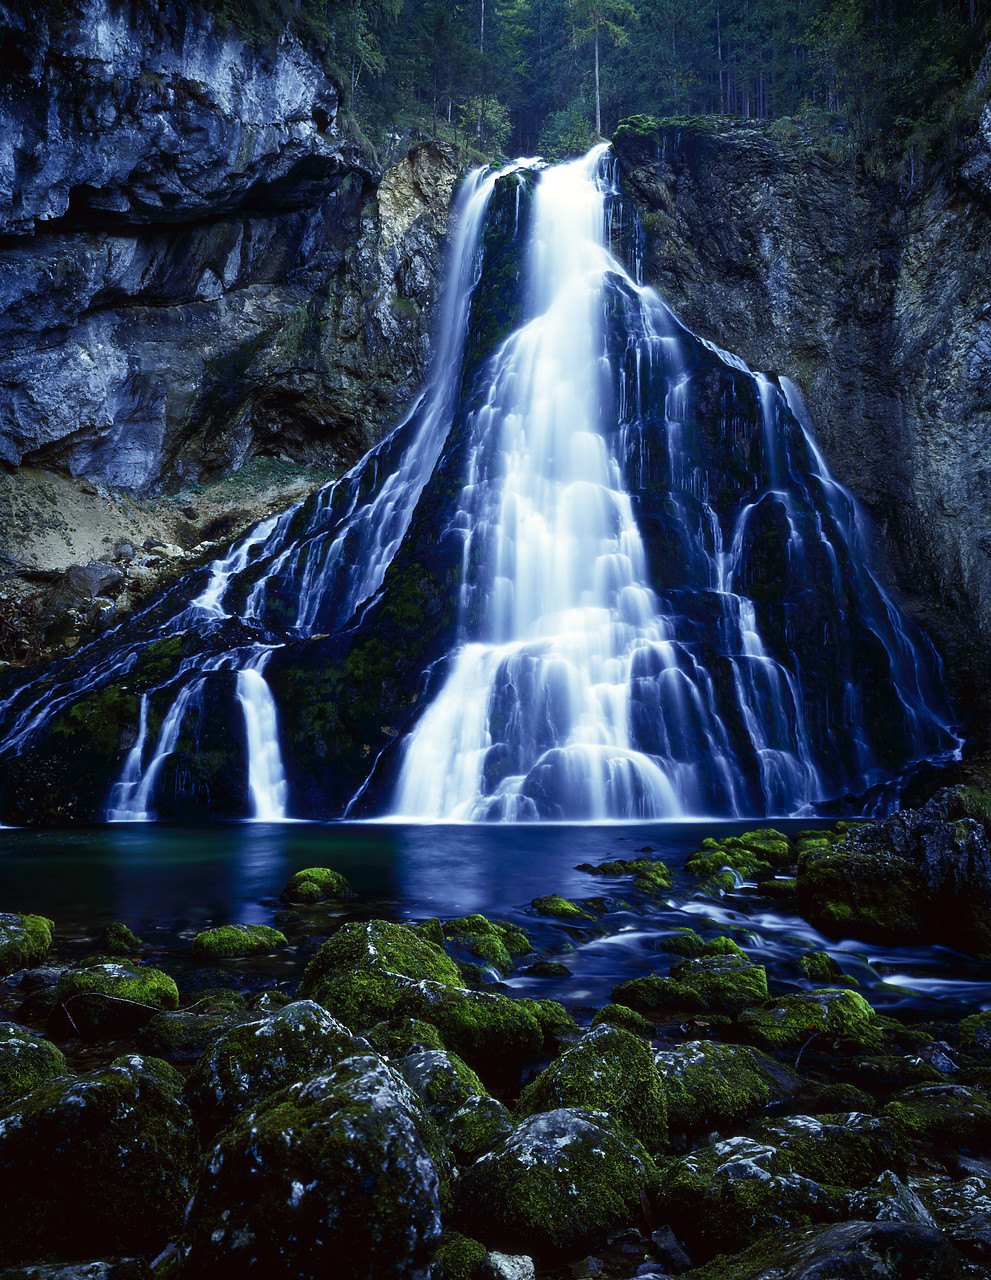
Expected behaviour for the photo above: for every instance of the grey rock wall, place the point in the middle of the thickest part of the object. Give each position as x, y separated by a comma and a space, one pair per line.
172, 200
874, 295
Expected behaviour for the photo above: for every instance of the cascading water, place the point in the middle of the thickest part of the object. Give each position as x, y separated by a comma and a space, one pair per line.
598, 571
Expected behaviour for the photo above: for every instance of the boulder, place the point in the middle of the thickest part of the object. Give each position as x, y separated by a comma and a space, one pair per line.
337, 1168
230, 941
24, 940
26, 1060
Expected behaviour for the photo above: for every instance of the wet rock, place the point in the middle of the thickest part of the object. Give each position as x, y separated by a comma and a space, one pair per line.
508, 1266
953, 1203
101, 1165
249, 1062
840, 1150
619, 1015
814, 1018
725, 1196
560, 1181
103, 997
476, 1127
563, 908
496, 944
612, 1070
338, 1167
24, 940
950, 1116
25, 1061
403, 1035
649, 877
441, 1081
720, 982
316, 884
889, 1200
184, 1036
709, 1086
669, 1251
233, 940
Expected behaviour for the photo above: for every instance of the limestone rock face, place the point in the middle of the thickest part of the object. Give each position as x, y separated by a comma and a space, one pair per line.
873, 294
174, 198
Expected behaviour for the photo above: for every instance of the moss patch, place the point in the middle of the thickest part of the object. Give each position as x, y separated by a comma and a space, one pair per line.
24, 940
231, 941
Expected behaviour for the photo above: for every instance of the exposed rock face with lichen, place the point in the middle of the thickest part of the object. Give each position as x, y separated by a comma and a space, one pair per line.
872, 293
198, 264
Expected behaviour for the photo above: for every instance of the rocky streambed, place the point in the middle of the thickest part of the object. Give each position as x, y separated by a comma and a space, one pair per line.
336, 1093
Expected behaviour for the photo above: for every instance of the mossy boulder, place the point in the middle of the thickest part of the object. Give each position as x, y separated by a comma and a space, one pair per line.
619, 1015
184, 1035
371, 971
839, 1150
336, 1172
562, 908
649, 876
403, 1035
819, 966
108, 997
494, 1034
726, 1196
24, 940
255, 1059
888, 1199
820, 1019
682, 942
727, 981
561, 1181
753, 855
476, 1127
949, 1116
316, 884
233, 941
25, 1061
118, 940
953, 1203
96, 1166
612, 1070
975, 1035
711, 1086
440, 1080
459, 1257
496, 944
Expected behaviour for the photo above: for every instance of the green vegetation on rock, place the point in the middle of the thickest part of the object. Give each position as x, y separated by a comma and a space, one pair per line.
25, 1061
231, 941
316, 884
24, 940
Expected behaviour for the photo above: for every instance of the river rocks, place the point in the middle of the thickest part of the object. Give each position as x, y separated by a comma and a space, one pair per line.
840, 1150
560, 1181
441, 1081
25, 1061
103, 996
232, 940
814, 1017
721, 982
24, 940
496, 944
96, 1166
118, 940
476, 1127
251, 1061
921, 875
612, 1070
889, 1200
335, 1167
944, 1114
709, 1085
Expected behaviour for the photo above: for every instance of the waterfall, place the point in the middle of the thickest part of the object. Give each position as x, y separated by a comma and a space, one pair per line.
598, 571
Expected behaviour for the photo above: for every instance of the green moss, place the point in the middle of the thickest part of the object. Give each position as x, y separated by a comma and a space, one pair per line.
368, 972
618, 1015
819, 966
554, 1020
723, 947
682, 942
488, 940
612, 1070
564, 908
476, 1127
120, 979
25, 1061
826, 1017
950, 1116
492, 1033
24, 940
652, 992
843, 1096
230, 941
441, 1080
648, 876
975, 1034
118, 940
316, 884
184, 1036
459, 1257
839, 1150
710, 1086
403, 1035
726, 981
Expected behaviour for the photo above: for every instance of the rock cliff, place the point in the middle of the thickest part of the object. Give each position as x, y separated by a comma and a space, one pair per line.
873, 293
196, 264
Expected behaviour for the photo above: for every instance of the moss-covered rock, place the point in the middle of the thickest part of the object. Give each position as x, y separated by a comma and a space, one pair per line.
649, 876
105, 997
840, 1150
316, 884
559, 1182
335, 1172
952, 1203
946, 1115
563, 908
726, 1196
370, 972
497, 944
888, 1199
476, 1126
619, 1015
25, 1061
459, 1257
231, 941
250, 1061
975, 1034
96, 1166
819, 966
556, 1023
754, 855
24, 940
440, 1080
184, 1035
118, 940
612, 1070
682, 942
711, 1086
493, 1034
403, 1035
818, 1018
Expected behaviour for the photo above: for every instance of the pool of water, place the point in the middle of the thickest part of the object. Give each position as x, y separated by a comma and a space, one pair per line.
168, 882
